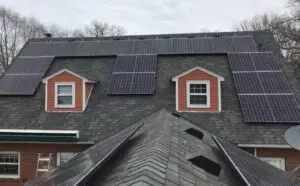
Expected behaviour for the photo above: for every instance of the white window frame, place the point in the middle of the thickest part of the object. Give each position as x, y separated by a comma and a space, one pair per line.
58, 156
73, 94
207, 94
281, 161
17, 176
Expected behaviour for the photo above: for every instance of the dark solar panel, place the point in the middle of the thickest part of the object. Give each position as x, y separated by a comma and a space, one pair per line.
120, 83
285, 108
32, 49
244, 44
264, 61
70, 48
8, 84
163, 46
255, 108
247, 83
40, 65
146, 46
28, 85
88, 48
123, 47
125, 63
223, 44
240, 62
52, 49
274, 82
183, 46
21, 66
143, 83
146, 63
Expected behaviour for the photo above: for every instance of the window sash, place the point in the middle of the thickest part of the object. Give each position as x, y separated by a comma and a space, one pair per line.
276, 162
61, 160
68, 94
207, 94
17, 164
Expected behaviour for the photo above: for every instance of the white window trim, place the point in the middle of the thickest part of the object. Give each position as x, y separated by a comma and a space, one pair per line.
281, 160
188, 83
73, 94
19, 166
58, 157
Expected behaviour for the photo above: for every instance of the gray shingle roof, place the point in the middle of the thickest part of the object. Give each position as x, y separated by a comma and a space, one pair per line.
157, 154
105, 114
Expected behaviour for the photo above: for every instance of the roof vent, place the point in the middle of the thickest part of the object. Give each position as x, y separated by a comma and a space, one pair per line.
48, 35
206, 164
176, 114
196, 133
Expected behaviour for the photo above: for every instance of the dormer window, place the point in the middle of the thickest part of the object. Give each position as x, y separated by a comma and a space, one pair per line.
198, 90
198, 94
65, 95
61, 88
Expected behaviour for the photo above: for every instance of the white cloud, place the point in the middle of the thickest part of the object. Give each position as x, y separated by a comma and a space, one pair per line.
146, 17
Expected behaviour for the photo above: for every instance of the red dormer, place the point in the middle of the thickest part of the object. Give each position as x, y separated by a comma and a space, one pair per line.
198, 90
67, 91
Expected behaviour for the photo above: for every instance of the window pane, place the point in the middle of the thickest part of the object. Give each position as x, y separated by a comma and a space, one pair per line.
198, 100
197, 88
9, 169
64, 100
64, 89
66, 156
9, 158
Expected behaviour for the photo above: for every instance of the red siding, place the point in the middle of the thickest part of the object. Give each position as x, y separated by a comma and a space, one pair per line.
29, 154
182, 91
291, 156
64, 77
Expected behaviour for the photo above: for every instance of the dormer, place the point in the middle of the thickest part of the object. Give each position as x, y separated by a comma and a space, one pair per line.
198, 90
68, 91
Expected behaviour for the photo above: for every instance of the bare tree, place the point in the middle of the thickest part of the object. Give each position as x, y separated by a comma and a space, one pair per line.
99, 29
286, 29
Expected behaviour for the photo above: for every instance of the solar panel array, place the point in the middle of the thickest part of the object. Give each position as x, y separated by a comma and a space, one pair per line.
24, 75
263, 92
195, 45
133, 74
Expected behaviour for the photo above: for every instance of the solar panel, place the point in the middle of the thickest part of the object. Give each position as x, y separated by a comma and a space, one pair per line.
240, 62
264, 61
285, 108
125, 63
183, 46
120, 83
32, 49
146, 63
143, 83
274, 82
88, 48
244, 44
8, 84
163, 46
247, 83
21, 66
123, 47
223, 44
52, 49
255, 108
28, 84
133, 74
146, 46
70, 48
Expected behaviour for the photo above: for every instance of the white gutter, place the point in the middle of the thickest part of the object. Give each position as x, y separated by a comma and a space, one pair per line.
265, 146
76, 132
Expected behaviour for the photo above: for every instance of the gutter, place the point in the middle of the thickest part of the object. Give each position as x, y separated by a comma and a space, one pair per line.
265, 146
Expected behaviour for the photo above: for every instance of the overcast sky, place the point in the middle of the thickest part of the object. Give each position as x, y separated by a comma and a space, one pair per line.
146, 16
